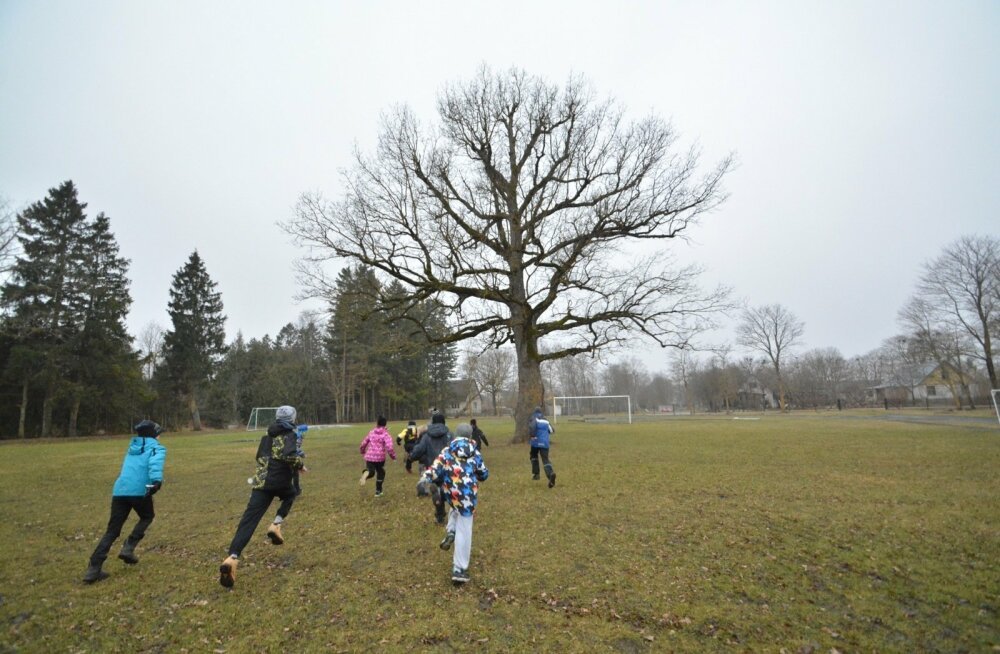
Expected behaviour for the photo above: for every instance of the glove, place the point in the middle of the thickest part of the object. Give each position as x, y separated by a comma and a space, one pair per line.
423, 488
399, 441
152, 488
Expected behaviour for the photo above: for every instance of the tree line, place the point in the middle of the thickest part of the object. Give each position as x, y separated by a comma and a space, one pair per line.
68, 365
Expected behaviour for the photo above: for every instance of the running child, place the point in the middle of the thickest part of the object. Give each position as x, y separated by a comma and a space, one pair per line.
458, 469
374, 447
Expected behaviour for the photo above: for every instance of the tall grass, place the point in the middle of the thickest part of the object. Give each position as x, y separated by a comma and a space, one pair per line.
809, 534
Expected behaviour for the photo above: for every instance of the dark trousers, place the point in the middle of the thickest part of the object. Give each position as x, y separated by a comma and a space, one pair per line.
376, 469
120, 508
542, 452
260, 500
408, 446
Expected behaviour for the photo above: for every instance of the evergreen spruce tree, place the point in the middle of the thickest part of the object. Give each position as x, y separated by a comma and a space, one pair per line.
43, 296
197, 341
102, 367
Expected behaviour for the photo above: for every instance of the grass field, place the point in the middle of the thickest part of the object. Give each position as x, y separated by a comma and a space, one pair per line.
788, 533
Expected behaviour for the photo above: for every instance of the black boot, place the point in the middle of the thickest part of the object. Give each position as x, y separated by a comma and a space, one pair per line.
94, 573
128, 553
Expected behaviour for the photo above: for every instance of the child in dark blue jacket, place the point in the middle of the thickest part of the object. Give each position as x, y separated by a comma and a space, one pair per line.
140, 478
540, 429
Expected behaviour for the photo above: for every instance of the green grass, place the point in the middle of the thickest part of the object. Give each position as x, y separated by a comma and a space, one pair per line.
809, 533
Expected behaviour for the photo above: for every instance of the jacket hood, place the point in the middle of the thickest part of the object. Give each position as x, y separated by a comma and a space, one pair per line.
462, 448
437, 430
140, 444
280, 427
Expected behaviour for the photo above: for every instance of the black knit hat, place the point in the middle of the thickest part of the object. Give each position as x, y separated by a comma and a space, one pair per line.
438, 418
148, 429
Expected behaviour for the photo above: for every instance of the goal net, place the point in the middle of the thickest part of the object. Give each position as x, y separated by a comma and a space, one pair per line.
592, 408
261, 417
995, 393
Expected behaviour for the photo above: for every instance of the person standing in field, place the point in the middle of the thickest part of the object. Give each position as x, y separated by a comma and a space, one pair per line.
435, 438
140, 478
374, 447
278, 459
458, 469
540, 430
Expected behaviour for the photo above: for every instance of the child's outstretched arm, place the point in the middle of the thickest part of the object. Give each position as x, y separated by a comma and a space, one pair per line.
482, 472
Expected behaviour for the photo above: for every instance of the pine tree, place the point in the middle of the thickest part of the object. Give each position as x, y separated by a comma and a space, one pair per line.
43, 293
197, 341
101, 363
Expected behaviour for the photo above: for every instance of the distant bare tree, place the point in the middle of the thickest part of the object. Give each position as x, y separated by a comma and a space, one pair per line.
625, 377
150, 341
942, 343
961, 289
576, 375
494, 371
513, 212
771, 330
683, 366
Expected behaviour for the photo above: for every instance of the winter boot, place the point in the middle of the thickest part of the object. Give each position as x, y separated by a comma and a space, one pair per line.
552, 480
227, 571
449, 538
128, 553
274, 533
94, 573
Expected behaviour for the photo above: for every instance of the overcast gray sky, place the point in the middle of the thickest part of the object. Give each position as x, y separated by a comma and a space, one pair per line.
867, 132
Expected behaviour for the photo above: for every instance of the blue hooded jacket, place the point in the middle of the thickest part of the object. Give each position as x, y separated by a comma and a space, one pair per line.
540, 430
143, 465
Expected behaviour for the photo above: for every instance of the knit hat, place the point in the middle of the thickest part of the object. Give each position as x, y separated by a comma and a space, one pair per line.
464, 430
412, 423
437, 418
148, 429
286, 413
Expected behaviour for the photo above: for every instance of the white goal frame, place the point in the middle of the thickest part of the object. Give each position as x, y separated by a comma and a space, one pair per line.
252, 421
555, 415
995, 394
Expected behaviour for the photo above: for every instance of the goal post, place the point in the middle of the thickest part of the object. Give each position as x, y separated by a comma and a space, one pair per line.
594, 406
995, 394
261, 417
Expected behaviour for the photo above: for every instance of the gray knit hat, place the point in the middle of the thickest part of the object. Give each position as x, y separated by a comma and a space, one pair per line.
464, 430
286, 413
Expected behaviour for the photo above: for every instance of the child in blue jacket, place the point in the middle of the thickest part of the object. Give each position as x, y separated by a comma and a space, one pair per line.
140, 478
540, 429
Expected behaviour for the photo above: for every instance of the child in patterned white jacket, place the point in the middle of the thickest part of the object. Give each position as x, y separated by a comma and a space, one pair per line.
458, 469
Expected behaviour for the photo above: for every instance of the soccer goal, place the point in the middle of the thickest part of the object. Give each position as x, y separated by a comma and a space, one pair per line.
995, 394
593, 408
261, 417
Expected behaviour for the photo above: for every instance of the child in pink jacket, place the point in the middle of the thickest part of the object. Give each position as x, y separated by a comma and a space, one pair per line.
374, 448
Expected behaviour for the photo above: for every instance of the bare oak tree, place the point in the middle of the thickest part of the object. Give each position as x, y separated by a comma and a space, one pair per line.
513, 212
771, 330
961, 289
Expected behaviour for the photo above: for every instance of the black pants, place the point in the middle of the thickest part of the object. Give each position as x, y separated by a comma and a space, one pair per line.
376, 469
408, 446
120, 508
260, 500
544, 453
